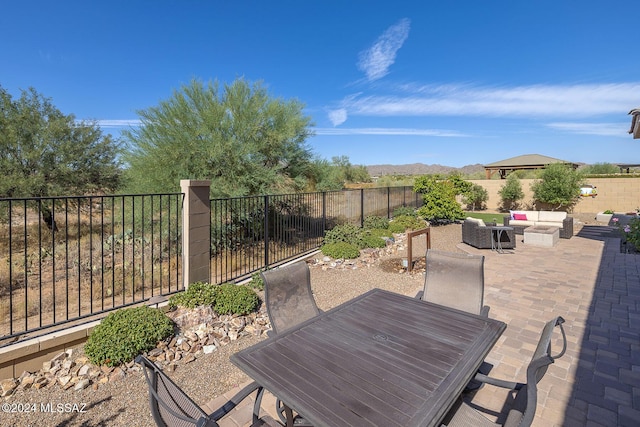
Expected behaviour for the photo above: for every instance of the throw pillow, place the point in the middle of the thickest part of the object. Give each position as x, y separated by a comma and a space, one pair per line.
518, 216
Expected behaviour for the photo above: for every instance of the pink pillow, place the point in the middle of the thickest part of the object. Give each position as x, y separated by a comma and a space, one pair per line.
522, 217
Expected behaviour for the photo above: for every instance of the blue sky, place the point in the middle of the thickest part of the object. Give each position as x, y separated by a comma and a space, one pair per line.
435, 82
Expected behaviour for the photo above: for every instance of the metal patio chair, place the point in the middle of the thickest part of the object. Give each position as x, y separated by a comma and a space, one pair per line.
171, 407
289, 301
455, 280
288, 296
523, 408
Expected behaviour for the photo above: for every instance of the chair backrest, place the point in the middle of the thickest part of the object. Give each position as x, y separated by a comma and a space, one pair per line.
524, 406
170, 406
288, 296
454, 280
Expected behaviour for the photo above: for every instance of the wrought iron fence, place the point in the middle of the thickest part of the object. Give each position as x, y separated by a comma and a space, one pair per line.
67, 258
249, 234
63, 259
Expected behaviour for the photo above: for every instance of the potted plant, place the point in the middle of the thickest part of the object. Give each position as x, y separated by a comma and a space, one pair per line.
605, 216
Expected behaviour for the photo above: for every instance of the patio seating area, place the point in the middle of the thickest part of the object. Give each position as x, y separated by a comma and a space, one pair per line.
596, 289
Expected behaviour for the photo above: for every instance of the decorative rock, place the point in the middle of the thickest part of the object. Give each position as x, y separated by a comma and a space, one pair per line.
27, 382
82, 384
64, 380
116, 375
208, 349
205, 333
7, 387
84, 370
155, 352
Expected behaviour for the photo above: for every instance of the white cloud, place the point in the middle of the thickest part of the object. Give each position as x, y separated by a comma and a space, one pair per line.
338, 116
376, 60
535, 101
388, 131
601, 129
118, 123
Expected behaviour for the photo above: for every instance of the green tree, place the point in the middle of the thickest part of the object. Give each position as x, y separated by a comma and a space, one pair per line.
511, 193
558, 188
439, 197
44, 152
335, 174
242, 139
476, 197
600, 169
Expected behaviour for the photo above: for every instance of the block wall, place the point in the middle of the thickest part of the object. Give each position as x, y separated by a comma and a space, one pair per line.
618, 194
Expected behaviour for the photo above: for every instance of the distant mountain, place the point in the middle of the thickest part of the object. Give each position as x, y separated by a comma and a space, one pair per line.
420, 169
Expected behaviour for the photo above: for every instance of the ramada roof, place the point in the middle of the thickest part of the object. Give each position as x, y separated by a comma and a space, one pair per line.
526, 160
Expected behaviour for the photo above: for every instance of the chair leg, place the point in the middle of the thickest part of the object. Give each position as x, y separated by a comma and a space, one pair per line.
285, 413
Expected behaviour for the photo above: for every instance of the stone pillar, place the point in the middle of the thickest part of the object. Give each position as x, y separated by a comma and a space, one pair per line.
196, 231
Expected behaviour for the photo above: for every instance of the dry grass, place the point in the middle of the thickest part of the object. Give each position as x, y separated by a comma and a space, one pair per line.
81, 269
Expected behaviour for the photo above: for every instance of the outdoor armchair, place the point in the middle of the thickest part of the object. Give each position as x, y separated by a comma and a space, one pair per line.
524, 404
289, 301
478, 235
455, 280
170, 405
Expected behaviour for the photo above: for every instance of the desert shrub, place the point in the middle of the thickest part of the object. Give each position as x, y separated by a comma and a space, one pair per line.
403, 223
558, 188
234, 299
439, 197
125, 333
404, 211
373, 241
511, 193
197, 294
397, 228
375, 222
256, 281
224, 299
347, 233
341, 250
380, 232
476, 197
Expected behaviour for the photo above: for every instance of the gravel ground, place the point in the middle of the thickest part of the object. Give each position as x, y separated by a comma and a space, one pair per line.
125, 403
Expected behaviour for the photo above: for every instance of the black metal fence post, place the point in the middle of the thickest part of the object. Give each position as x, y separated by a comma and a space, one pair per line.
266, 231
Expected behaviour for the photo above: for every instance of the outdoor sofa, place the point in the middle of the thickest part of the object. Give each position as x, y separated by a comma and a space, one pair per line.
520, 220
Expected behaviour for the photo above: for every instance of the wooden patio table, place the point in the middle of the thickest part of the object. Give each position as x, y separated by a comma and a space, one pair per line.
380, 359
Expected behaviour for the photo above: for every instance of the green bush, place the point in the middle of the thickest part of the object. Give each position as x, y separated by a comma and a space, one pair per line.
397, 228
340, 250
439, 197
256, 282
379, 232
558, 188
197, 294
404, 211
224, 299
402, 223
125, 333
375, 222
347, 233
373, 241
511, 193
234, 299
476, 197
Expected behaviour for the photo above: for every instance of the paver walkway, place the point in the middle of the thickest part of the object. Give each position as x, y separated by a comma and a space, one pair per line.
596, 289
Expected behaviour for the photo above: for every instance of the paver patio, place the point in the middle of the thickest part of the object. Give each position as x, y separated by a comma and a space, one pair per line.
596, 289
